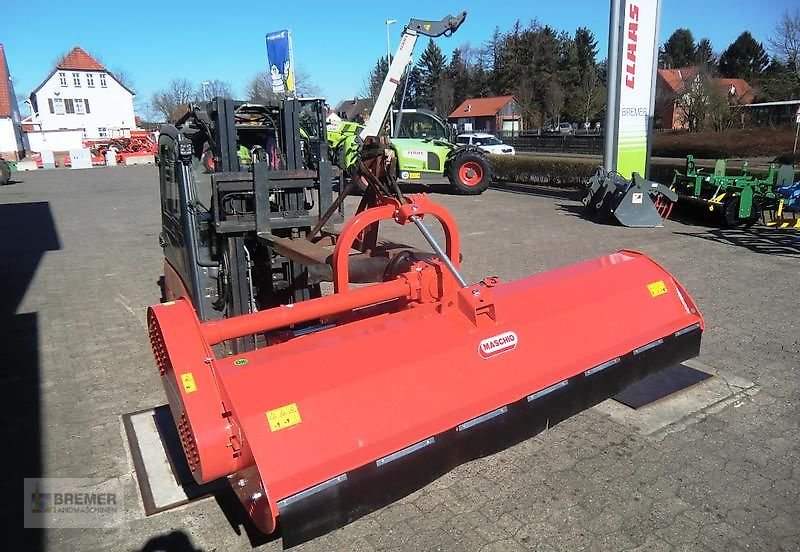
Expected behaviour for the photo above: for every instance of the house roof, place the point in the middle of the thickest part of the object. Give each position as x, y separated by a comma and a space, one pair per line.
737, 89
480, 107
5, 86
77, 59
350, 109
676, 80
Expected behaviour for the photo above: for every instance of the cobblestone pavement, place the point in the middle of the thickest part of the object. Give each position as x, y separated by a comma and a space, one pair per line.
80, 262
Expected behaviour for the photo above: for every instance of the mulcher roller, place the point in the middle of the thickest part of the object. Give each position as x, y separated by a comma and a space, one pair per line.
398, 382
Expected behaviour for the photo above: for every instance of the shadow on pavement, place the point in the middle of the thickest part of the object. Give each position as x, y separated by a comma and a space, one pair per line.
28, 231
238, 519
578, 210
574, 194
693, 214
443, 188
176, 541
767, 241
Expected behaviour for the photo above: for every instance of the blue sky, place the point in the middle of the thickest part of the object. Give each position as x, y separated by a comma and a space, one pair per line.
336, 43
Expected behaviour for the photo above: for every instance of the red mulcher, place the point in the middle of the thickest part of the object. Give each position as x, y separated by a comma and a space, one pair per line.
408, 377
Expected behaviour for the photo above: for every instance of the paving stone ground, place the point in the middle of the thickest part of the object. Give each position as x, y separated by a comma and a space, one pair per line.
80, 262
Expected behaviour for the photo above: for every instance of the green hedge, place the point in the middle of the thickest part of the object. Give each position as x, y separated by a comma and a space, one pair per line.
566, 172
550, 171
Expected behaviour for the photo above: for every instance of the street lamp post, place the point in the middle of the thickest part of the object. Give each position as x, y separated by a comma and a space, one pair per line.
388, 64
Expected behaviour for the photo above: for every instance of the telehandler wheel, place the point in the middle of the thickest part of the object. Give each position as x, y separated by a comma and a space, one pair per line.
470, 173
5, 173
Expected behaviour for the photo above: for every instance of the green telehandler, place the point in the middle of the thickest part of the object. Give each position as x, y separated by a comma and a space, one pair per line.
422, 143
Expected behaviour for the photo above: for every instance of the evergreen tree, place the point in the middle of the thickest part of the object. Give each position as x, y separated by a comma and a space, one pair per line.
494, 51
585, 48
376, 77
778, 82
678, 51
744, 58
459, 75
412, 88
704, 55
431, 66
589, 94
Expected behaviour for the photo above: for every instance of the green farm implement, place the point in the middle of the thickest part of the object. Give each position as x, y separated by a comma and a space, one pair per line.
737, 200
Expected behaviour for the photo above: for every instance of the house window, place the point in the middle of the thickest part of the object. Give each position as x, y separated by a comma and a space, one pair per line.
50, 104
58, 104
90, 80
76, 79
79, 109
102, 80
86, 105
69, 105
102, 132
63, 78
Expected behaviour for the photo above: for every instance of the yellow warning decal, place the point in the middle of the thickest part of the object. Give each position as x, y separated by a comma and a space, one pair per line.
283, 417
657, 288
187, 380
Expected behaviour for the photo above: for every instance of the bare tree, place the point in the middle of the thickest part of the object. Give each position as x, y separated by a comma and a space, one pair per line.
525, 93
443, 98
785, 42
166, 101
304, 87
591, 93
214, 89
719, 111
693, 103
259, 89
554, 99
123, 77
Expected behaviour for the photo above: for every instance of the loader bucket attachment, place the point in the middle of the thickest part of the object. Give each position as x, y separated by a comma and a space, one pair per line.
403, 380
636, 203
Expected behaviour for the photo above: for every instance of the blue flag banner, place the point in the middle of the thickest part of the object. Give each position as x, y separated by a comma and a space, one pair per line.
281, 62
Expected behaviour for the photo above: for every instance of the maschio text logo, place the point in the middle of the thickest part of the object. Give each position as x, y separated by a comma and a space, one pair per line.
497, 344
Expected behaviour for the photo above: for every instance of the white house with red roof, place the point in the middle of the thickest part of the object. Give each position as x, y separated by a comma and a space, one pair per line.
11, 145
79, 95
